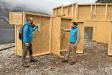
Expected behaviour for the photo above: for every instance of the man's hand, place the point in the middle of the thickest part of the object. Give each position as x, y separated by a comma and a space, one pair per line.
75, 44
27, 44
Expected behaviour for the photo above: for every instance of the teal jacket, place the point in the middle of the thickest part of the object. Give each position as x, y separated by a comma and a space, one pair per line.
27, 32
73, 35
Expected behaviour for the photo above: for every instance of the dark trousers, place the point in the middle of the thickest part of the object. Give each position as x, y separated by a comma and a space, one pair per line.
71, 53
25, 50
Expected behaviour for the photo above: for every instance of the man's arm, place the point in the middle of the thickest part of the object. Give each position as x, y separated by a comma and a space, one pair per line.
66, 30
34, 27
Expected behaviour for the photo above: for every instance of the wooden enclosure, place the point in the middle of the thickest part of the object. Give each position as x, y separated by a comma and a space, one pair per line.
40, 38
49, 38
97, 16
60, 39
88, 13
100, 30
85, 11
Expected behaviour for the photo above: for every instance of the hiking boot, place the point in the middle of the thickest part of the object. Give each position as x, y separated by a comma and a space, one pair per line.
26, 66
33, 60
64, 60
72, 63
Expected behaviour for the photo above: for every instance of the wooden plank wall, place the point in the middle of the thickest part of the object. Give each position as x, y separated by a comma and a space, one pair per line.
100, 30
91, 12
86, 11
100, 12
55, 38
60, 39
68, 11
16, 18
18, 41
91, 24
65, 23
40, 38
109, 12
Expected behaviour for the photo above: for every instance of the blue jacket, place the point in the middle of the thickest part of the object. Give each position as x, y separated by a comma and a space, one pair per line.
27, 32
73, 35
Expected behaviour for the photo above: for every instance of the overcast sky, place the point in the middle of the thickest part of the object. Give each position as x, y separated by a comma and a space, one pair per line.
42, 5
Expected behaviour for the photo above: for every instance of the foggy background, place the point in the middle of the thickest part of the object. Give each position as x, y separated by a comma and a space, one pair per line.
40, 6
44, 6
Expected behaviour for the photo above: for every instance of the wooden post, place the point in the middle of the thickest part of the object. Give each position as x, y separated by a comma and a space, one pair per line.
62, 10
106, 7
80, 46
15, 39
91, 11
110, 40
56, 31
73, 11
50, 34
76, 12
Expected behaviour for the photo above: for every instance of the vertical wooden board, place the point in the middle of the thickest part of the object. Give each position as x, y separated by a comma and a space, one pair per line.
15, 39
107, 31
65, 23
54, 12
84, 12
80, 46
18, 41
101, 28
76, 12
100, 12
110, 39
16, 18
59, 11
68, 11
41, 38
55, 43
93, 12
109, 12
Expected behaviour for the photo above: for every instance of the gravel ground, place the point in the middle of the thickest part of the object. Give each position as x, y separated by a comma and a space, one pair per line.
94, 61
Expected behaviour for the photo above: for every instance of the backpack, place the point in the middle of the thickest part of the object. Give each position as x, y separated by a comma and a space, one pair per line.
21, 33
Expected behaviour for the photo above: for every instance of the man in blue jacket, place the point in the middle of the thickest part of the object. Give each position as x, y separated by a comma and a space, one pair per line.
27, 40
73, 41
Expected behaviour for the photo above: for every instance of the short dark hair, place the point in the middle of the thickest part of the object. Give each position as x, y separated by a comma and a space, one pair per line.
75, 23
28, 19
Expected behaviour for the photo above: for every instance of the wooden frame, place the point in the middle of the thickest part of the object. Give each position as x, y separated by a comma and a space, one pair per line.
100, 17
96, 13
19, 18
101, 10
54, 44
57, 44
110, 39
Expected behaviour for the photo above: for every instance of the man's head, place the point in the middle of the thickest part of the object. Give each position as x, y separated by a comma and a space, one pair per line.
30, 20
74, 24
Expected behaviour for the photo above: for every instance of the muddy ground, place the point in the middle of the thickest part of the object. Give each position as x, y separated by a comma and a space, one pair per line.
94, 61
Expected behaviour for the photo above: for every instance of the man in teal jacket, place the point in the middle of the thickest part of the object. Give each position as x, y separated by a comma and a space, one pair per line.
73, 41
27, 30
